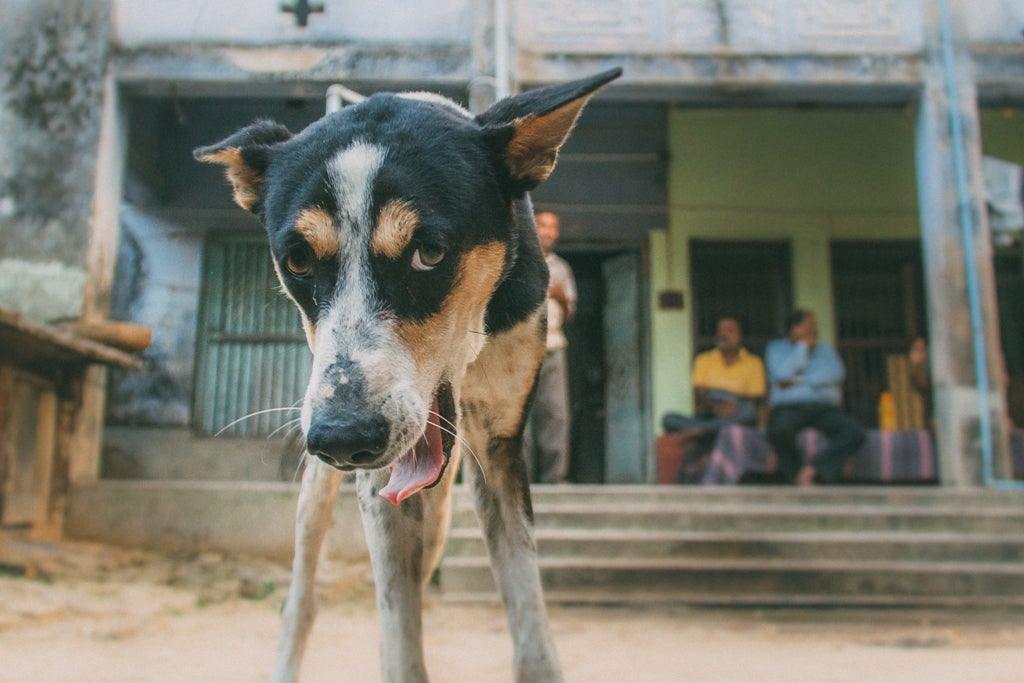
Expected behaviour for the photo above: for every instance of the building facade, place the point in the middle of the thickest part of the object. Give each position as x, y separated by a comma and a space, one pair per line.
756, 156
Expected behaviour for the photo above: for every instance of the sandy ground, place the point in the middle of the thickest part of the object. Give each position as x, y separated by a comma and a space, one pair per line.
92, 613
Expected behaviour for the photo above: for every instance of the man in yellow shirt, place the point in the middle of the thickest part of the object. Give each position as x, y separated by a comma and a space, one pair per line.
727, 383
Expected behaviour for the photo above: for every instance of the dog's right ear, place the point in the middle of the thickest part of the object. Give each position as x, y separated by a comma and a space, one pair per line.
527, 130
245, 156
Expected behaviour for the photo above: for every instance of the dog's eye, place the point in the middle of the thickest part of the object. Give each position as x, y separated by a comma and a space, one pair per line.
427, 257
299, 261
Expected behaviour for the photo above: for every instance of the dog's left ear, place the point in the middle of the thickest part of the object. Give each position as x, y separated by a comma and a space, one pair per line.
527, 130
245, 156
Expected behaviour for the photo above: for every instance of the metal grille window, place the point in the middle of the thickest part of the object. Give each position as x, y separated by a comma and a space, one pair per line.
252, 353
879, 298
747, 280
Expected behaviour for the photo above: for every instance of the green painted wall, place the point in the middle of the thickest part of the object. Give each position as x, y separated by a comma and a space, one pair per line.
803, 175
1002, 133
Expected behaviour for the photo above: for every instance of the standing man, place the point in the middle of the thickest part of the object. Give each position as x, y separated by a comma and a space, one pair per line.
546, 435
728, 381
806, 380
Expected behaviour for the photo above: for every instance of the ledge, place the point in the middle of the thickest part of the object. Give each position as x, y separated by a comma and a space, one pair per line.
29, 342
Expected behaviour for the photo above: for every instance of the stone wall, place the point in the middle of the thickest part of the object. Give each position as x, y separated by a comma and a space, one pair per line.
52, 58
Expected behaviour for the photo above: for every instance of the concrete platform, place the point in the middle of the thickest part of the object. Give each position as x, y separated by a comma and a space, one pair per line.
252, 518
871, 546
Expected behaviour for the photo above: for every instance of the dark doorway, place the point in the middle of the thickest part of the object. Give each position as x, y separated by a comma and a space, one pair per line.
586, 370
606, 392
1009, 268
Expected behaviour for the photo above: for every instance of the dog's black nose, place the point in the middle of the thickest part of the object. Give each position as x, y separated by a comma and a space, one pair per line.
348, 442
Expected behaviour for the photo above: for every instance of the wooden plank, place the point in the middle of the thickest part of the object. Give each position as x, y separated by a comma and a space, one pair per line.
26, 341
19, 436
82, 427
8, 434
120, 335
909, 403
46, 522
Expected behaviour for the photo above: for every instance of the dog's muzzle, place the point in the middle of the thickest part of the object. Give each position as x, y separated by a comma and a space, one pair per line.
360, 441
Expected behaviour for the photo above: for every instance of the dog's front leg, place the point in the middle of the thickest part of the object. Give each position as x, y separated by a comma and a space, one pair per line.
394, 534
502, 499
316, 502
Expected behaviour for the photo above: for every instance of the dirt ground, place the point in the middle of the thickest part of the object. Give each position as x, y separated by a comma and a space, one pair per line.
93, 613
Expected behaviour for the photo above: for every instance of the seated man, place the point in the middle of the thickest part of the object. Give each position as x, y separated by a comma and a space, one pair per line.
727, 383
806, 380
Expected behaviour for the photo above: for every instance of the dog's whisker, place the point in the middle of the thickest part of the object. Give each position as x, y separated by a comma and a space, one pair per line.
439, 416
461, 440
266, 411
296, 422
298, 465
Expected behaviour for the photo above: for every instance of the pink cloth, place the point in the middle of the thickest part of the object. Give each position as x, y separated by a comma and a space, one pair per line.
887, 457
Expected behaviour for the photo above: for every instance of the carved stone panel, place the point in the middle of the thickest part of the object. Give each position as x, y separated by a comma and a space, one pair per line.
845, 19
696, 25
706, 26
595, 23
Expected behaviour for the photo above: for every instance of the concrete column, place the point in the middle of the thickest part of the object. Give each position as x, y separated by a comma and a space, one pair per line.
87, 431
953, 352
493, 54
482, 86
812, 282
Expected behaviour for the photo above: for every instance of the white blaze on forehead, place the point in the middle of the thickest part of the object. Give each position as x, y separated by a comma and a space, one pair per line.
351, 173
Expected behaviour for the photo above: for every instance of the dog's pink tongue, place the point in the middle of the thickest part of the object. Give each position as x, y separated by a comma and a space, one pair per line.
418, 468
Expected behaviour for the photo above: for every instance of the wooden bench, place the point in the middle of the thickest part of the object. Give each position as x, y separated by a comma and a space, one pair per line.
738, 453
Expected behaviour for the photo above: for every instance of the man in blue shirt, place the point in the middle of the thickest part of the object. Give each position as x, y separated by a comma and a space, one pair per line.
805, 390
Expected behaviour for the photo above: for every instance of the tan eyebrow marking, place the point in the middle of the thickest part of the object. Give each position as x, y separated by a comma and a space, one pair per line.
395, 226
317, 228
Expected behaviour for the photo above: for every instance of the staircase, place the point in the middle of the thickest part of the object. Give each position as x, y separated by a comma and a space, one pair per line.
745, 546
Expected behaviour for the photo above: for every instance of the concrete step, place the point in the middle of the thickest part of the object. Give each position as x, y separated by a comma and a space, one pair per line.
639, 597
751, 582
740, 518
869, 546
612, 543
714, 495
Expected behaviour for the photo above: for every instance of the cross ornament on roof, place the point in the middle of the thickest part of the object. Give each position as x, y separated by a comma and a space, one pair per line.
302, 9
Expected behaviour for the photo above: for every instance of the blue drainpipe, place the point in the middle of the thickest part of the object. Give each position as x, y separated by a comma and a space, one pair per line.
966, 232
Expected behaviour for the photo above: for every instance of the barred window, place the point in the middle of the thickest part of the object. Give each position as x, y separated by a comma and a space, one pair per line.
252, 357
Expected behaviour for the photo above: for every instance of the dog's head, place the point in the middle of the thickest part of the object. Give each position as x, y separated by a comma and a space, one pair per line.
391, 225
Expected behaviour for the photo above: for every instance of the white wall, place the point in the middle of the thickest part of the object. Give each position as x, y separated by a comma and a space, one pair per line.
701, 26
260, 22
995, 21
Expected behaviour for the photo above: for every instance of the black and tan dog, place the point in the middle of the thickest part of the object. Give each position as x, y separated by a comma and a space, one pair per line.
402, 229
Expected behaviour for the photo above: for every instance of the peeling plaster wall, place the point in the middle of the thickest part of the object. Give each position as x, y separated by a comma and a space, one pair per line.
52, 58
157, 285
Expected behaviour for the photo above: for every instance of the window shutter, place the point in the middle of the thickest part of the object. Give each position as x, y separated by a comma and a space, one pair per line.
253, 356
